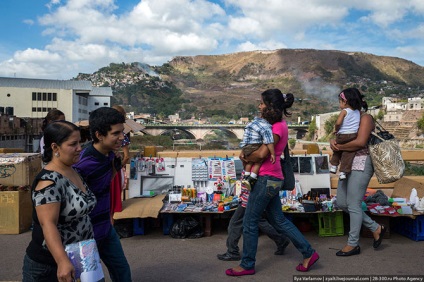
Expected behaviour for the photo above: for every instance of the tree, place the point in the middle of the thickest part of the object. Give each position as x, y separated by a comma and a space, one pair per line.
329, 124
380, 115
292, 143
420, 123
312, 129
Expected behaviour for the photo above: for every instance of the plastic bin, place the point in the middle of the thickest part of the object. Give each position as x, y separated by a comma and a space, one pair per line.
411, 228
167, 221
330, 224
138, 226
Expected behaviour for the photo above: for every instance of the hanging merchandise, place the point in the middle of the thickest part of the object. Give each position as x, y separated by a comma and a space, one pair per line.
221, 168
133, 169
229, 168
160, 163
141, 165
150, 165
199, 168
215, 168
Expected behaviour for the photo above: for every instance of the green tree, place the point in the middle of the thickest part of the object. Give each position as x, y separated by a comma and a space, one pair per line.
329, 124
420, 123
292, 143
312, 129
380, 115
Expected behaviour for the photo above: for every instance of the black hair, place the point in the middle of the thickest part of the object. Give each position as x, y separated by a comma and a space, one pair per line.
52, 115
56, 132
276, 104
354, 98
102, 119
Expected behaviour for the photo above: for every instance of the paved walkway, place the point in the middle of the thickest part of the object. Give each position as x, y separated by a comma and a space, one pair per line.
156, 257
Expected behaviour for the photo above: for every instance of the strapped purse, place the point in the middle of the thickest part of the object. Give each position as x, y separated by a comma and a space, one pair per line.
385, 155
287, 168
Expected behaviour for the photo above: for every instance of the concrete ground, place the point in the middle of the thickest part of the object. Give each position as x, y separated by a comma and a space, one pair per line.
158, 257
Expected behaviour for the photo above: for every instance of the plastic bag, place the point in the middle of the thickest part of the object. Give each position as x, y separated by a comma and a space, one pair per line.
124, 227
186, 227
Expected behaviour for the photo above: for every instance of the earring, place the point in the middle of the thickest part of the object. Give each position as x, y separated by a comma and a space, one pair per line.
56, 154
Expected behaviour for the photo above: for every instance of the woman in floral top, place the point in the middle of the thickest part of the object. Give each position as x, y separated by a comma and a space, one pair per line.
62, 202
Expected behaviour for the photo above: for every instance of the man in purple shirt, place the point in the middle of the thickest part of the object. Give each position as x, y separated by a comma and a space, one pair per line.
97, 166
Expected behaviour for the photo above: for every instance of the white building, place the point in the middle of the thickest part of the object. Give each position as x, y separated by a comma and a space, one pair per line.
415, 103
33, 98
174, 118
393, 104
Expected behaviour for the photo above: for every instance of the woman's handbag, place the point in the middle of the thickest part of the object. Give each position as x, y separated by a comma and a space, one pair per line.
386, 156
85, 258
287, 168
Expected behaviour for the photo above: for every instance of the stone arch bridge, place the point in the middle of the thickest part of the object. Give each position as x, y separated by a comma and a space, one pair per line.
199, 131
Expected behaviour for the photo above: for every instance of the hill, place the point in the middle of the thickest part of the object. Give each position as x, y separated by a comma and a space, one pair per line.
229, 85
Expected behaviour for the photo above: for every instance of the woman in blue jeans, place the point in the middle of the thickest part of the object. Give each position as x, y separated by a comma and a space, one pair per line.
265, 193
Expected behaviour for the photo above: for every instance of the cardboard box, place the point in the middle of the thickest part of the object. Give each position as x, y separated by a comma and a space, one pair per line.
403, 188
15, 212
19, 169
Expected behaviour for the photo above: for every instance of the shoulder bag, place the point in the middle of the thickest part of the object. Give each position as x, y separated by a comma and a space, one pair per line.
386, 156
287, 168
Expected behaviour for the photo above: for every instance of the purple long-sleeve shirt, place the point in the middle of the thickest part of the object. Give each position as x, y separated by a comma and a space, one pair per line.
97, 171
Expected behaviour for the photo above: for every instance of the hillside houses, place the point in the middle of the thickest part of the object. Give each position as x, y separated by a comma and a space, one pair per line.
400, 117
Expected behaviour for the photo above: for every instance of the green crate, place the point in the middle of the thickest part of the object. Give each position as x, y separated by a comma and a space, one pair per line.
330, 224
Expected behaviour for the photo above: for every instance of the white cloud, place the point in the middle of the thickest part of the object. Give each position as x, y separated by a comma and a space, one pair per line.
28, 22
269, 45
88, 34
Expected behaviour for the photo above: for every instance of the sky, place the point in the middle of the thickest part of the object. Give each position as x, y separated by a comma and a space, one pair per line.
59, 39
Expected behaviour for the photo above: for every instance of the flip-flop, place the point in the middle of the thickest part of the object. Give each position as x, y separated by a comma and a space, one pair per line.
312, 261
232, 272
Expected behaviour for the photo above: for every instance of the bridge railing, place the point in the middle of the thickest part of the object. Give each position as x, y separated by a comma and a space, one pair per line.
219, 125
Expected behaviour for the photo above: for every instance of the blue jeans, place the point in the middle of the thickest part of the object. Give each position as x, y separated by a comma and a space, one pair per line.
235, 230
265, 197
33, 271
112, 255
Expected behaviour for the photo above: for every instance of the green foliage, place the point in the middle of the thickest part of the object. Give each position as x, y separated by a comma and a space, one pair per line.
380, 115
420, 123
138, 142
413, 169
312, 129
165, 69
147, 96
329, 124
292, 143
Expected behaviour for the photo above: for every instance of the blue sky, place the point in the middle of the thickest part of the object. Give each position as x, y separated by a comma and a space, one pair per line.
58, 39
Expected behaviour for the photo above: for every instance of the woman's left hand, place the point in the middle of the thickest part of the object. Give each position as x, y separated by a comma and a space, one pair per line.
242, 159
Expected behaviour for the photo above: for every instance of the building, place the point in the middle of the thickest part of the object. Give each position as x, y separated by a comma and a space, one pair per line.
33, 98
396, 108
174, 118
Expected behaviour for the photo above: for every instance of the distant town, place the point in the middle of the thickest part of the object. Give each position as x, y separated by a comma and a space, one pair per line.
25, 102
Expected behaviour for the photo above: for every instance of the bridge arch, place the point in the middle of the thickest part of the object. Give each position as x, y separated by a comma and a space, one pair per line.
199, 131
